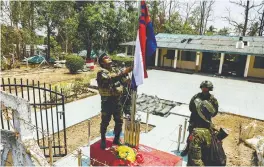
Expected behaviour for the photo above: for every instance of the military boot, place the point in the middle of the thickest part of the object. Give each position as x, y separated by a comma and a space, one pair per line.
185, 151
103, 142
116, 140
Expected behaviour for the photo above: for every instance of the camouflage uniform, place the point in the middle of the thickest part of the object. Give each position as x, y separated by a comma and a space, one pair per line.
200, 142
195, 120
126, 99
110, 90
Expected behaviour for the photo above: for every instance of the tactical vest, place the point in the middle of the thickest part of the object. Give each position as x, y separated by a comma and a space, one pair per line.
108, 86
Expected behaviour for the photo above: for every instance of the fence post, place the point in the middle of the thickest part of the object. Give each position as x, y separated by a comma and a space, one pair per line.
89, 131
184, 130
50, 150
179, 138
147, 122
79, 157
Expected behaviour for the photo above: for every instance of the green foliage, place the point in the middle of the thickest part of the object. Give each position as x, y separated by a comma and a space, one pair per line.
64, 86
80, 86
4, 65
223, 31
119, 60
74, 63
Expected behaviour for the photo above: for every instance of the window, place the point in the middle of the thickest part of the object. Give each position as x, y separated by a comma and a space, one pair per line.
170, 54
130, 50
188, 56
259, 62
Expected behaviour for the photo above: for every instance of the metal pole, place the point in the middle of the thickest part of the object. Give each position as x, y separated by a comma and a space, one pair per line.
179, 138
147, 122
80, 157
89, 131
50, 150
184, 130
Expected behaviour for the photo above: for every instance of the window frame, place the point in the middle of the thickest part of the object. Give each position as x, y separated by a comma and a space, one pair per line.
258, 64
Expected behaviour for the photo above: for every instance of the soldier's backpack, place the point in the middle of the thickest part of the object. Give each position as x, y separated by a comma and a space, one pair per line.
216, 155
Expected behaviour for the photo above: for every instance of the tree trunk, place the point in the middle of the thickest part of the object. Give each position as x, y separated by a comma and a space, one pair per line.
246, 19
154, 13
202, 18
48, 36
261, 29
32, 27
89, 47
170, 11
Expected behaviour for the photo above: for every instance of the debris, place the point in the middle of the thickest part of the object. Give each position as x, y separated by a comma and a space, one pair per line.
154, 105
257, 144
248, 131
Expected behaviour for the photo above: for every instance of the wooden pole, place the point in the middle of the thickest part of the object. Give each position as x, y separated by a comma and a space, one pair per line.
79, 157
50, 150
89, 131
147, 122
184, 130
179, 138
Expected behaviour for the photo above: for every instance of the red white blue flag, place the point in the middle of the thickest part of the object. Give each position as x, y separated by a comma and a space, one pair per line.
145, 47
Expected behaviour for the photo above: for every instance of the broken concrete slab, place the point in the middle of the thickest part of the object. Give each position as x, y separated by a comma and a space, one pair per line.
154, 105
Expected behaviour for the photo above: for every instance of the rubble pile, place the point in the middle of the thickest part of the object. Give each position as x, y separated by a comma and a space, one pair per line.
155, 105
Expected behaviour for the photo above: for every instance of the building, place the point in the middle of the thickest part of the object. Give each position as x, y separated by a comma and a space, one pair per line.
223, 55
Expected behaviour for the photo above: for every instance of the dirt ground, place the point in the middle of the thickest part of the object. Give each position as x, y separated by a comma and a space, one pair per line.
77, 135
48, 75
238, 154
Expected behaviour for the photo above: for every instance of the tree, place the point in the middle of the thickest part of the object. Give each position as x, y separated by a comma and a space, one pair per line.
90, 25
261, 22
50, 13
223, 31
174, 25
253, 30
211, 30
205, 13
187, 7
247, 6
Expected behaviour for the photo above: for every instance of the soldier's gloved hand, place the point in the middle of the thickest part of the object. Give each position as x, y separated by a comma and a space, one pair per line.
127, 116
128, 70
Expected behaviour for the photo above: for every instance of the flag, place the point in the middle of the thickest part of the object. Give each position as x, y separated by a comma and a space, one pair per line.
145, 47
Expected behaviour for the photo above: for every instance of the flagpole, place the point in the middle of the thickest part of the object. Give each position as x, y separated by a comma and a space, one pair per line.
134, 96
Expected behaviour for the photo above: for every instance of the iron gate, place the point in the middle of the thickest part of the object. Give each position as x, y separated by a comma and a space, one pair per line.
47, 113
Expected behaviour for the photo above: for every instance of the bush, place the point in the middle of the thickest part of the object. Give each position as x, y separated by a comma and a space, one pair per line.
80, 85
74, 63
66, 90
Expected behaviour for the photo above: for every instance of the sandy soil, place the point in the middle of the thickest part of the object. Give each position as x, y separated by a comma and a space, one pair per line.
48, 75
238, 154
77, 135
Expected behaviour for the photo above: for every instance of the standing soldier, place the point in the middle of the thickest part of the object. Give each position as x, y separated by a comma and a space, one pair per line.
200, 137
195, 120
110, 89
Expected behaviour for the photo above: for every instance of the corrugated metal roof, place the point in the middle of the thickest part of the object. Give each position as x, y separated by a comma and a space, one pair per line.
217, 43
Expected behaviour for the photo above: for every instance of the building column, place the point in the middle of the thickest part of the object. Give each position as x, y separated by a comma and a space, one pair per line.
126, 50
157, 57
175, 59
221, 63
197, 61
247, 66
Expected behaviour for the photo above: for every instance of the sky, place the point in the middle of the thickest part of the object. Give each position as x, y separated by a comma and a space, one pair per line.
236, 13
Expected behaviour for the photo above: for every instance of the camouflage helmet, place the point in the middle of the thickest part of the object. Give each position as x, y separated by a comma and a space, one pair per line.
205, 109
207, 84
